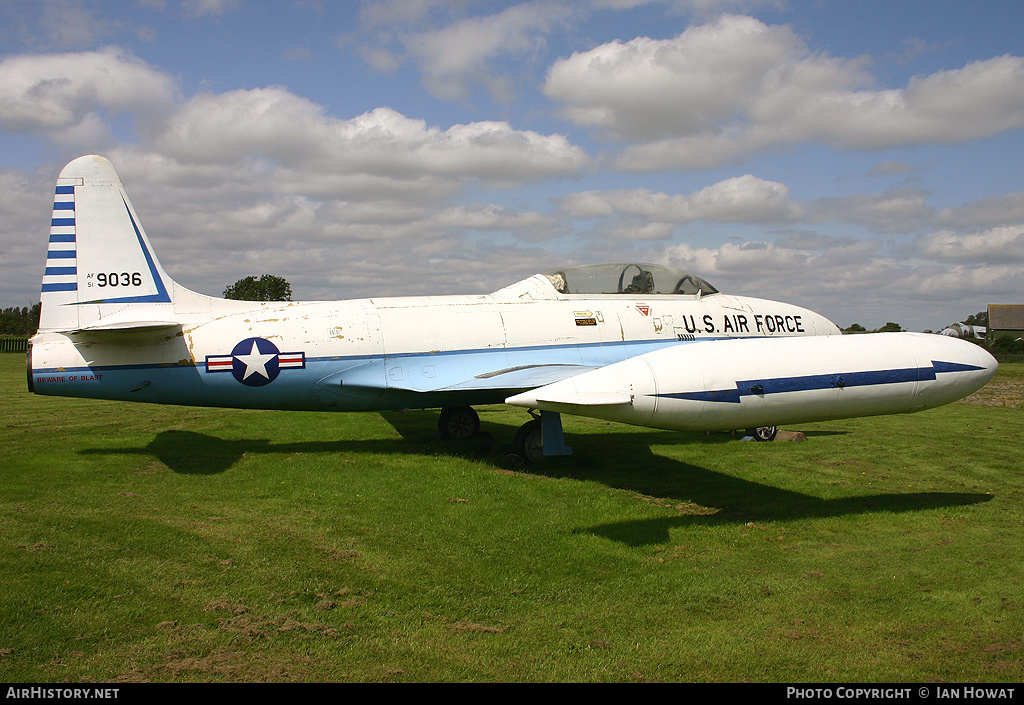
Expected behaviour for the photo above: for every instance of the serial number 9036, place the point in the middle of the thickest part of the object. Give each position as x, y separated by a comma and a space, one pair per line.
119, 279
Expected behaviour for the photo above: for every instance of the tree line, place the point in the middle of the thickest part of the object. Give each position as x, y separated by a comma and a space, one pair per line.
975, 319
19, 321
889, 327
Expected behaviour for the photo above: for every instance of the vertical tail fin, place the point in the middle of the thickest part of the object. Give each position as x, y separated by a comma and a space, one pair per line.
101, 271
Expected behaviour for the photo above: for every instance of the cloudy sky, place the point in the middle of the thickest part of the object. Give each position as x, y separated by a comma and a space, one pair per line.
863, 159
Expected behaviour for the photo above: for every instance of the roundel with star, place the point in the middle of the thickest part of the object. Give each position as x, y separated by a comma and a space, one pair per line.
255, 362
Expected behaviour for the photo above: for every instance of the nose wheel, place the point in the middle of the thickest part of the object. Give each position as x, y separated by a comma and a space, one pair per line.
529, 442
540, 438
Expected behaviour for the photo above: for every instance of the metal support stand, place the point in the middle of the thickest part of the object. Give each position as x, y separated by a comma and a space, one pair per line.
551, 432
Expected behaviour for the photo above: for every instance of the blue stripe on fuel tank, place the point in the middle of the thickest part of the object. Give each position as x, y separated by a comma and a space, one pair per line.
781, 385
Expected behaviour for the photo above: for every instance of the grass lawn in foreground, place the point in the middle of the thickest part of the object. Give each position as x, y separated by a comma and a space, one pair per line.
156, 543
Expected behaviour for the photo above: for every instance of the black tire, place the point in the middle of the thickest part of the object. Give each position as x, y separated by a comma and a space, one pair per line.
529, 442
458, 423
763, 433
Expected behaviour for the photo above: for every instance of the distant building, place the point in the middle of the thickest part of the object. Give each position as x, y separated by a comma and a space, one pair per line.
1005, 320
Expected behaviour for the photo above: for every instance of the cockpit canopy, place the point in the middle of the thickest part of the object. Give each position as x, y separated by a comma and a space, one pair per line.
626, 278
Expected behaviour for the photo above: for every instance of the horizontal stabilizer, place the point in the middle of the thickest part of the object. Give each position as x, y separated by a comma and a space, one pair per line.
140, 326
128, 332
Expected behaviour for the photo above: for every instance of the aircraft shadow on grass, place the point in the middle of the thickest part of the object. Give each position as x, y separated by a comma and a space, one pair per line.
623, 461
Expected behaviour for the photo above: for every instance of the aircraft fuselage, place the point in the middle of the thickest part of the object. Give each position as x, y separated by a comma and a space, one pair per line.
390, 353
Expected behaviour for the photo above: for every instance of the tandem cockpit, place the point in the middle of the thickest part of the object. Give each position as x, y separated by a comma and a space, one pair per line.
611, 279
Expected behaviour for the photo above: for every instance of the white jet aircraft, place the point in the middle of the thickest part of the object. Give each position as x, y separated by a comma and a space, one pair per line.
636, 343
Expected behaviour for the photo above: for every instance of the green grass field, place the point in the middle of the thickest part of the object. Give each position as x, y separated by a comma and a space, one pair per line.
150, 543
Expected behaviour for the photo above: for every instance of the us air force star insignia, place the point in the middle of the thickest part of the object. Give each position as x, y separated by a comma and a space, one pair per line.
255, 362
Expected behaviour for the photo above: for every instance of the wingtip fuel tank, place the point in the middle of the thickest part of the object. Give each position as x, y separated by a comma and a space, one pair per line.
743, 383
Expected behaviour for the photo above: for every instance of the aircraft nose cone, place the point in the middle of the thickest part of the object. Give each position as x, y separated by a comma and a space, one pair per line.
990, 365
962, 367
980, 357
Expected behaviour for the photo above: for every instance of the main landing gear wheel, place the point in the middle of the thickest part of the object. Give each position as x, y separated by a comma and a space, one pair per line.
529, 442
458, 423
763, 433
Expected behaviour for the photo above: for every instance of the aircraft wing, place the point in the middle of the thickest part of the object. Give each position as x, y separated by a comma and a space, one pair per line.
433, 374
519, 378
578, 398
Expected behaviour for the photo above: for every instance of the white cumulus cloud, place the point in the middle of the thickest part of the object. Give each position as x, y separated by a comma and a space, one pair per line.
1001, 244
48, 93
739, 199
737, 86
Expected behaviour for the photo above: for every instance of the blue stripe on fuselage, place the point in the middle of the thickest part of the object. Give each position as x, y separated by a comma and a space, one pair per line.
588, 350
298, 389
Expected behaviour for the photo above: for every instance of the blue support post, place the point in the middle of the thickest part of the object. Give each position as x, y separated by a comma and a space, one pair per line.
551, 432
